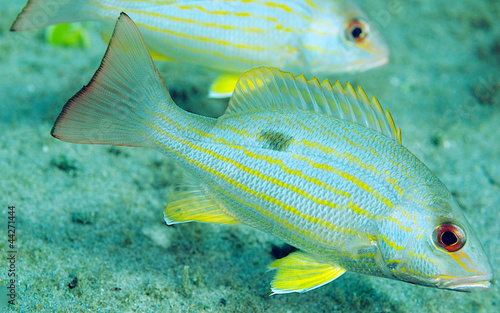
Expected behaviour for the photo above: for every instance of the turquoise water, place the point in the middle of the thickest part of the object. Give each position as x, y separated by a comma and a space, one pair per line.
96, 212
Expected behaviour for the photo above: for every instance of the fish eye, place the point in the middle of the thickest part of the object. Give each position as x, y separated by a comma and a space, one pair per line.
356, 31
449, 237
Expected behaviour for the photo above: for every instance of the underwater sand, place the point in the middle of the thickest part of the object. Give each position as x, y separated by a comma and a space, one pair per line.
96, 212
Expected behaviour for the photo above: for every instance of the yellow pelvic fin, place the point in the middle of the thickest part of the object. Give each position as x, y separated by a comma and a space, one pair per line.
223, 85
194, 203
301, 272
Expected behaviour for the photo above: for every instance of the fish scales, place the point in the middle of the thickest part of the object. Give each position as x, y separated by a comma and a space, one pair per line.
247, 33
321, 167
230, 37
239, 164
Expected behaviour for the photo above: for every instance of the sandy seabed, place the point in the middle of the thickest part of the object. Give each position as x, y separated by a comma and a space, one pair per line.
95, 213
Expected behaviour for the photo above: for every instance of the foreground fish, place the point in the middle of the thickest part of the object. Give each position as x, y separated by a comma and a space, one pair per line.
230, 37
318, 166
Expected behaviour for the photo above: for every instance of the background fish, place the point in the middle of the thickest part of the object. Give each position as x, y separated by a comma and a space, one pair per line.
321, 167
314, 37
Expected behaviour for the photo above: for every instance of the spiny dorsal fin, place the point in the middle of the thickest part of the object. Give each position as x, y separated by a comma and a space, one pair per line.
271, 88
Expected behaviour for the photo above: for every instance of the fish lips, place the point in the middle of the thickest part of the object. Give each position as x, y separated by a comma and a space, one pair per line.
467, 284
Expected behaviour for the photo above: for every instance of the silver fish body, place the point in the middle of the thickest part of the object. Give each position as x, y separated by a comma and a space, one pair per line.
321, 167
328, 187
317, 37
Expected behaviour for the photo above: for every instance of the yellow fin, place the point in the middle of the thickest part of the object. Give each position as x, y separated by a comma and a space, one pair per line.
223, 85
302, 272
195, 204
265, 88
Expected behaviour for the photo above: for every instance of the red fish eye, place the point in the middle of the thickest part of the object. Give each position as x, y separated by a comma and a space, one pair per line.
356, 31
449, 237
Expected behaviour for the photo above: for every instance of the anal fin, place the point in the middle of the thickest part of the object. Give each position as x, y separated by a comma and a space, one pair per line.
195, 204
302, 272
223, 86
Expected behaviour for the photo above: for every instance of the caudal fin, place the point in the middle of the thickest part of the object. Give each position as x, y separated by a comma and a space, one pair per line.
42, 13
119, 105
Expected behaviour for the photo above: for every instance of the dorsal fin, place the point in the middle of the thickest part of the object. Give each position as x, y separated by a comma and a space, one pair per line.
272, 88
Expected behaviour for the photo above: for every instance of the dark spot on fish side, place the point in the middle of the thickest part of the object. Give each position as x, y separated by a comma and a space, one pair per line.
223, 301
279, 252
64, 165
72, 284
275, 140
117, 289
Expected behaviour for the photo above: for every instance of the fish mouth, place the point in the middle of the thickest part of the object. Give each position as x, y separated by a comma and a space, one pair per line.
467, 284
379, 61
364, 65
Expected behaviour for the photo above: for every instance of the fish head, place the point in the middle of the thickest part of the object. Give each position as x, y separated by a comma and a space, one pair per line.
441, 250
341, 38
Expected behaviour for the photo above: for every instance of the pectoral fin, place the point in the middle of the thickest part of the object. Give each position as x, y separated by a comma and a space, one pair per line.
301, 272
223, 85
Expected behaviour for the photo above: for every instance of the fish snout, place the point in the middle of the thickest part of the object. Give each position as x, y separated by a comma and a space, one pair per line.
467, 284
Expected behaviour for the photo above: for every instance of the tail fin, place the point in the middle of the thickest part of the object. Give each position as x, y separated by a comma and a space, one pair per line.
116, 107
42, 13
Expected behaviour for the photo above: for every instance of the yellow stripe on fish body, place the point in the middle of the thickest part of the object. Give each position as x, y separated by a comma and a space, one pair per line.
231, 37
319, 166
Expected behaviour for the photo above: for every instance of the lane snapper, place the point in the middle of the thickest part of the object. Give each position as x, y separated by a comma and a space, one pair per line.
315, 37
321, 167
